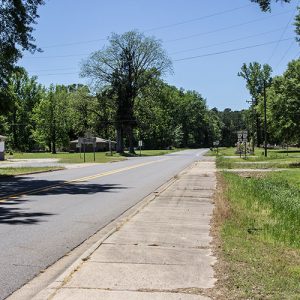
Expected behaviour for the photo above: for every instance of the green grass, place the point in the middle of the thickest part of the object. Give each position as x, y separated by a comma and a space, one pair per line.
65, 157
101, 157
275, 159
156, 152
259, 153
261, 237
26, 170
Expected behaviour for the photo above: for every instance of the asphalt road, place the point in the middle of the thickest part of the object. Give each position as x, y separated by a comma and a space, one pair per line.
49, 214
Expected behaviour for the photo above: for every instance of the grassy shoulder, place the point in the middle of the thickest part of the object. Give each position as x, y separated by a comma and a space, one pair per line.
259, 249
154, 152
26, 170
228, 159
66, 157
100, 157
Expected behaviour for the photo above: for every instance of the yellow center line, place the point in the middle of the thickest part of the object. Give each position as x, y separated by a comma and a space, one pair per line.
34, 191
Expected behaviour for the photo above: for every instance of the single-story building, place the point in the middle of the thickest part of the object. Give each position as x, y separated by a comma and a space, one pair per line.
2, 146
101, 145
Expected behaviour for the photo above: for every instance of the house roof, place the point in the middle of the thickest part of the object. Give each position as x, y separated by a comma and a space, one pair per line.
98, 140
2, 137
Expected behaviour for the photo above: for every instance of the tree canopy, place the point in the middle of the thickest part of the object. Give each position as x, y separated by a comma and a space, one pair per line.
265, 5
127, 65
16, 19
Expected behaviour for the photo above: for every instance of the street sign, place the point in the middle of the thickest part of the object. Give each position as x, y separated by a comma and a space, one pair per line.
87, 141
242, 136
140, 143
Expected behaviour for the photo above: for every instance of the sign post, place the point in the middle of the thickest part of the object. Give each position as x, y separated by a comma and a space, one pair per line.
216, 143
87, 141
140, 146
2, 147
242, 140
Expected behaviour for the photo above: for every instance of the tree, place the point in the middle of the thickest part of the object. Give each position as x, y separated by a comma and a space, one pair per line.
256, 77
52, 119
284, 105
82, 110
16, 19
297, 25
232, 121
24, 93
265, 5
127, 65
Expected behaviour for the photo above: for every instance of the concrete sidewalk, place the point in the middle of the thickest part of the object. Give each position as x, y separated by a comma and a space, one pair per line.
161, 253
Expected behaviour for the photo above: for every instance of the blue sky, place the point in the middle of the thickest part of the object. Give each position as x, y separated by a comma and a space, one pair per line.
69, 30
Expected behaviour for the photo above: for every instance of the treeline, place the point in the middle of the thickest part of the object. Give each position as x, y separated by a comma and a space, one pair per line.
40, 118
282, 95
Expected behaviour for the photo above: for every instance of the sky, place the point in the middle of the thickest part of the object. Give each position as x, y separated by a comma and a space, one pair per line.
207, 40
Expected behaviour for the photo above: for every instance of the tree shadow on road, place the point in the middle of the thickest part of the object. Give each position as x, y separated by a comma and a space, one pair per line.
14, 193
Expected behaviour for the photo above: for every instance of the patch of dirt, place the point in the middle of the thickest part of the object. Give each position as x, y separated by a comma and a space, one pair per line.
220, 214
252, 175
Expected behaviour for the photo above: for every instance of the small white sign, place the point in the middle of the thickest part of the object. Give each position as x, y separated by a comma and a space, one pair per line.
140, 143
1, 146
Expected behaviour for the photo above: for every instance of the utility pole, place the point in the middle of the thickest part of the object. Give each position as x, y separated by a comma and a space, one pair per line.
253, 123
265, 118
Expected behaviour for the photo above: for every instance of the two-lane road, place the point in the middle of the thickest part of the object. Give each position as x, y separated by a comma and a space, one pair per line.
44, 216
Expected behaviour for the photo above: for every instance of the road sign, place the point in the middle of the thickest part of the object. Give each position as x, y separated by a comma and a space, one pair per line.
87, 141
242, 136
140, 143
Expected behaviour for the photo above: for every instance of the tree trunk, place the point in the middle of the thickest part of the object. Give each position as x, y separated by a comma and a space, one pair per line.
258, 132
120, 144
130, 139
53, 147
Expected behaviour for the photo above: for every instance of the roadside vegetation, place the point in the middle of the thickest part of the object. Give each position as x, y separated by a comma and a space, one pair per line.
259, 229
66, 157
26, 170
100, 157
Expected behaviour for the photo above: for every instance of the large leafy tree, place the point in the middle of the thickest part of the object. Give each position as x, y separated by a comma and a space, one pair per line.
16, 20
284, 105
24, 93
257, 77
52, 119
126, 65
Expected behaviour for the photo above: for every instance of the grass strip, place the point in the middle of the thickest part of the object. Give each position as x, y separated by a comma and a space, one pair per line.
26, 170
260, 237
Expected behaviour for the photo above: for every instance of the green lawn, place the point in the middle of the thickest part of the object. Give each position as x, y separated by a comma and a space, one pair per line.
101, 157
260, 233
65, 157
26, 170
276, 159
261, 236
156, 152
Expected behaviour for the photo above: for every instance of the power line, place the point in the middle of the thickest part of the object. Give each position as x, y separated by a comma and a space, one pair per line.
178, 39
155, 28
73, 43
230, 50
71, 73
226, 28
198, 19
187, 50
227, 42
198, 56
48, 70
283, 33
59, 56
285, 54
